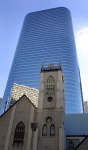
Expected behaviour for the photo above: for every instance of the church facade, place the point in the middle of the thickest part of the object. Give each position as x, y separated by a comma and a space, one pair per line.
26, 127
46, 127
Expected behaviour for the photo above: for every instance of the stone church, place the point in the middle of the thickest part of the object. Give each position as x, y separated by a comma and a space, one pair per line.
25, 127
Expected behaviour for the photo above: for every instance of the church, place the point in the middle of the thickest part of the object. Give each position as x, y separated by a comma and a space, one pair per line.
25, 127
46, 127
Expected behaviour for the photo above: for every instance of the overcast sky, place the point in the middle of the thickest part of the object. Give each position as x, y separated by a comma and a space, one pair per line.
12, 14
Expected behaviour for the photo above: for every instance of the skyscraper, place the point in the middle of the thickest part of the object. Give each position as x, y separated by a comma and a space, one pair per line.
46, 38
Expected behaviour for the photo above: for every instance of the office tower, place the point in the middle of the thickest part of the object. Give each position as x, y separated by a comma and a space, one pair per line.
46, 38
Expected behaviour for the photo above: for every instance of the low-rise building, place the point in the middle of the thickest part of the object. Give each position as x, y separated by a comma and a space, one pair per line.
85, 106
47, 127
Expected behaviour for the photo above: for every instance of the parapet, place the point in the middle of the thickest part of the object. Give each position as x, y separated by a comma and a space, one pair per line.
51, 67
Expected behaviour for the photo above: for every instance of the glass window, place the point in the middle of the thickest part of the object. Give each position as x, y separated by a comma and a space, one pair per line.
44, 130
50, 86
19, 135
52, 130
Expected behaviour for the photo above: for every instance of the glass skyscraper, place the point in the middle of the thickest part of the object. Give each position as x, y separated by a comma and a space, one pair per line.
47, 38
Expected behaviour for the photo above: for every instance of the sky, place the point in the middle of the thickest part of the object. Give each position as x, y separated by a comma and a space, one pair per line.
12, 13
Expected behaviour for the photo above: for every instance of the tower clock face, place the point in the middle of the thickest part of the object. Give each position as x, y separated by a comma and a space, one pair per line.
50, 99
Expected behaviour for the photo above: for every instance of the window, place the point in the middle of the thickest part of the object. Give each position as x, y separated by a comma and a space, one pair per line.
50, 86
49, 127
44, 130
19, 135
52, 130
50, 99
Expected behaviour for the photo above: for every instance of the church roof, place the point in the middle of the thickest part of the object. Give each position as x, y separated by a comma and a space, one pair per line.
24, 97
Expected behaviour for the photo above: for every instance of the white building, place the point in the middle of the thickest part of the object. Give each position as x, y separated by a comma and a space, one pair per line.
85, 106
20, 90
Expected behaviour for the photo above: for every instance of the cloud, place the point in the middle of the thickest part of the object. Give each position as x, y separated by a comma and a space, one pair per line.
82, 49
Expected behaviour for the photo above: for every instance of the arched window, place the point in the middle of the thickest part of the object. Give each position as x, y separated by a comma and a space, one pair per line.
44, 130
50, 86
19, 134
52, 130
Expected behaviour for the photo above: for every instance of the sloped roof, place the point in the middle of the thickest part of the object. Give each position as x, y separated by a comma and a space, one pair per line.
21, 98
76, 124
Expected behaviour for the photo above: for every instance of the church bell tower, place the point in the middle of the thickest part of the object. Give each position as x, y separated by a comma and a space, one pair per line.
51, 109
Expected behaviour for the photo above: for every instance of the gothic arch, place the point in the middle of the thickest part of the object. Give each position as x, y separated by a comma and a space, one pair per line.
19, 134
44, 130
52, 130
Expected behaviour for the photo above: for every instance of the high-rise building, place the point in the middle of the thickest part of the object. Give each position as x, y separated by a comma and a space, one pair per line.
47, 37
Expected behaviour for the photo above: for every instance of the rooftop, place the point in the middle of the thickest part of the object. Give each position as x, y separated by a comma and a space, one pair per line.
76, 124
51, 67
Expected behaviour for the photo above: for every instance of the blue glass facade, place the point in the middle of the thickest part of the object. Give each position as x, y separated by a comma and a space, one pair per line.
46, 38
